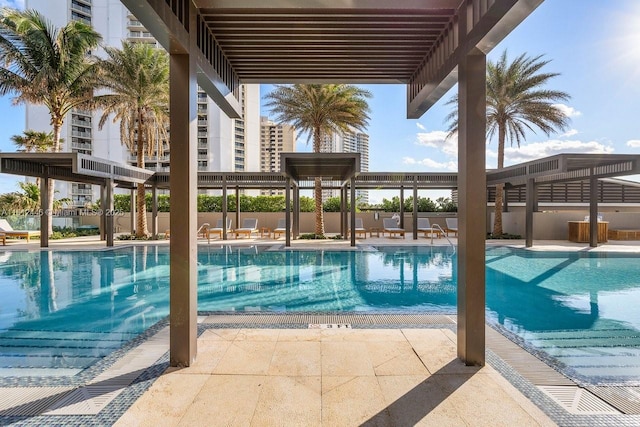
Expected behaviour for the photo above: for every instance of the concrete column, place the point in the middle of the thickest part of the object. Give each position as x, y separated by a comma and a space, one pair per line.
353, 211
103, 208
133, 210
296, 211
472, 208
529, 209
224, 209
154, 212
238, 225
45, 216
287, 218
415, 209
505, 199
401, 207
344, 227
184, 180
108, 212
593, 210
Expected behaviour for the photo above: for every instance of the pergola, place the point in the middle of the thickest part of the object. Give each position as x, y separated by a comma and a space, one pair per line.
560, 169
429, 45
75, 167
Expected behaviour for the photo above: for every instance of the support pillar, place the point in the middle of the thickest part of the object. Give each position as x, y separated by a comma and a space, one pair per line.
593, 210
296, 211
401, 207
344, 226
287, 217
415, 209
45, 215
353, 211
133, 210
154, 212
472, 207
529, 209
238, 225
108, 212
103, 210
184, 220
224, 208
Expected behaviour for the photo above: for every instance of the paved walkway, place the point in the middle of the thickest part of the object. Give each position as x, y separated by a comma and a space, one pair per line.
348, 377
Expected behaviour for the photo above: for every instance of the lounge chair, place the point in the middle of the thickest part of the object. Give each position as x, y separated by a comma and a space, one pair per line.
249, 225
281, 228
8, 231
218, 228
389, 225
424, 226
3, 237
452, 226
360, 230
203, 230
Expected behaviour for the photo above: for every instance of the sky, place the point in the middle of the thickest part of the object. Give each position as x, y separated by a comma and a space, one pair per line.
593, 44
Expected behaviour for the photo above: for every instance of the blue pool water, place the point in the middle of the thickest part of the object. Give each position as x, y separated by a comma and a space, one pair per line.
67, 310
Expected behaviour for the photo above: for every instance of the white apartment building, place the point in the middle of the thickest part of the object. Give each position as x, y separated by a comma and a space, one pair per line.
224, 144
348, 142
274, 139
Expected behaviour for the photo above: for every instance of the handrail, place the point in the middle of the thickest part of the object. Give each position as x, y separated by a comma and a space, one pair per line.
437, 226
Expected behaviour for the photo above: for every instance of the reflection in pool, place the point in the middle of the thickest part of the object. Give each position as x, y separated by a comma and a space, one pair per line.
66, 310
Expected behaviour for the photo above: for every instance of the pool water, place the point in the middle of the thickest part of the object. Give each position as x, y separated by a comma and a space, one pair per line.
60, 312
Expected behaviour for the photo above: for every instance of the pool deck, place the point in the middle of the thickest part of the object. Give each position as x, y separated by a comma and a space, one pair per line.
263, 375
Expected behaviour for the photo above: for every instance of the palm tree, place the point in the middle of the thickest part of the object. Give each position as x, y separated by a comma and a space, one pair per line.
320, 110
516, 103
137, 79
35, 142
41, 64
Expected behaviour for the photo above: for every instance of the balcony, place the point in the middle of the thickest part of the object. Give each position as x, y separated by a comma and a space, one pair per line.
80, 134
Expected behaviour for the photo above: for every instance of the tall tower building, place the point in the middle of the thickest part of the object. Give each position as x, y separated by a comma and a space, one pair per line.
224, 144
274, 139
348, 142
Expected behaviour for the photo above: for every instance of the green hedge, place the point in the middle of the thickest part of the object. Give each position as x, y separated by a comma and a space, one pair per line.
206, 203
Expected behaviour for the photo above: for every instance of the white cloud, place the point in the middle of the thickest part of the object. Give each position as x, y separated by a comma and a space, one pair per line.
16, 4
431, 164
420, 126
438, 139
635, 143
570, 132
568, 111
552, 147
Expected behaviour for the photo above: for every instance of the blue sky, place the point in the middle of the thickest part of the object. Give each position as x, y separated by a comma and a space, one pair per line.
594, 45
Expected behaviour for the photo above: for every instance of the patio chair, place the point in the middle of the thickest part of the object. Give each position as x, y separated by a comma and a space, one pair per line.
3, 237
424, 226
389, 225
8, 231
249, 225
452, 226
360, 230
281, 228
218, 228
203, 230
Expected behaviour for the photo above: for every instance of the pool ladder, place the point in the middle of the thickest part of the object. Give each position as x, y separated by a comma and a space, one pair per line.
444, 234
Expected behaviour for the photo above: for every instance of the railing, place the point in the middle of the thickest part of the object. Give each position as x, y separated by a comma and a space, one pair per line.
444, 234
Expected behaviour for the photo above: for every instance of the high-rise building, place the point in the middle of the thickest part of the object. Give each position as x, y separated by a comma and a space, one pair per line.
274, 139
224, 144
348, 142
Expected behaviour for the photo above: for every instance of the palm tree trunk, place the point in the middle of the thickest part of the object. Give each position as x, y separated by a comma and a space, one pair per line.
57, 126
497, 224
141, 206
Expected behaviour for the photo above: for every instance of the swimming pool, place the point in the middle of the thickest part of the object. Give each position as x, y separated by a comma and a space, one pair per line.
60, 312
